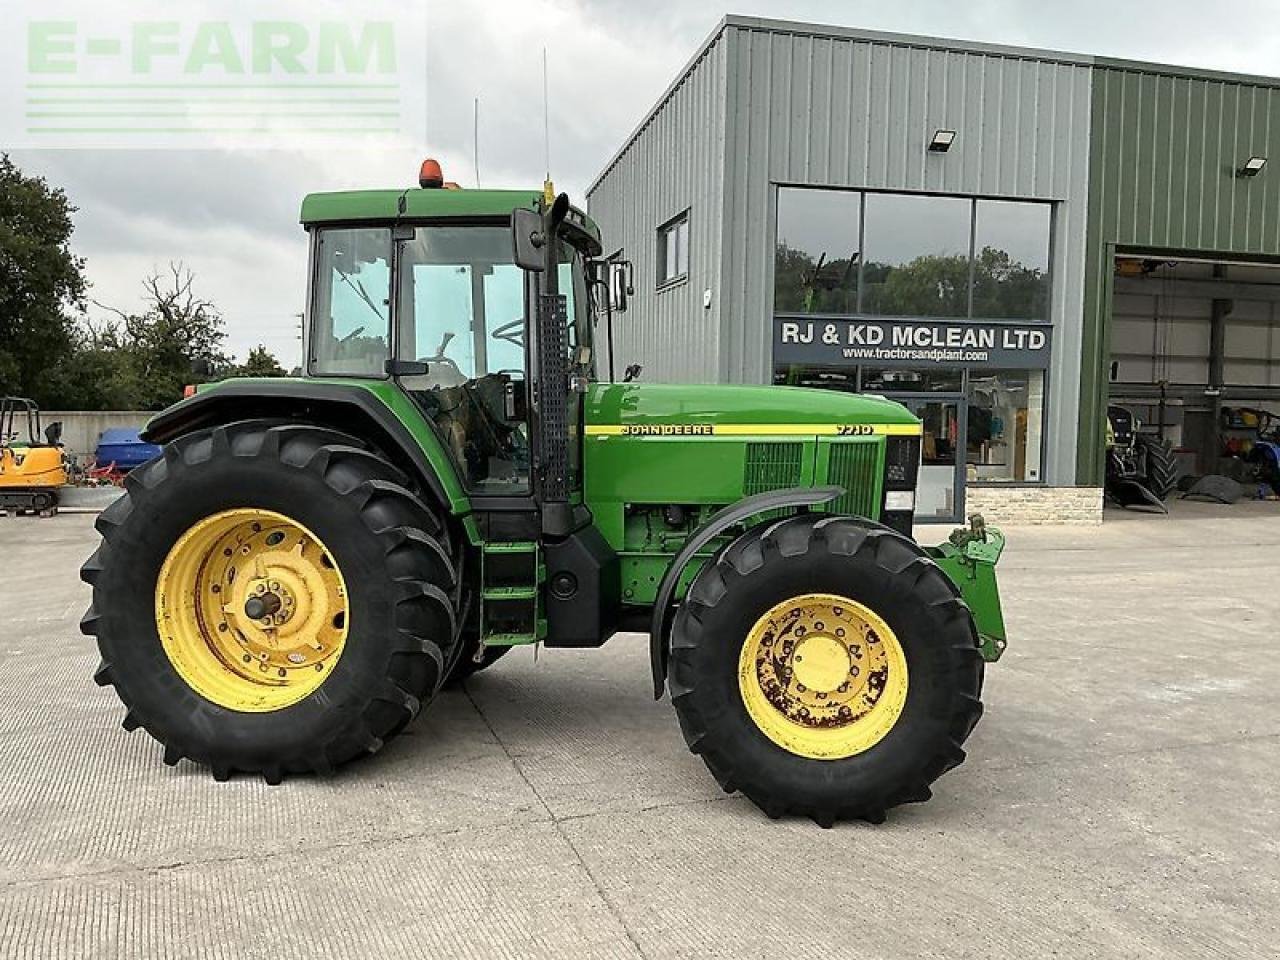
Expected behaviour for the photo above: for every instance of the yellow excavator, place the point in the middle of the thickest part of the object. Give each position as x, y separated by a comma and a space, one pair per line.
32, 469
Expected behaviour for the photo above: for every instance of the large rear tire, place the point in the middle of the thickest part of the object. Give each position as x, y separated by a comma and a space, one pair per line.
1162, 469
272, 599
883, 703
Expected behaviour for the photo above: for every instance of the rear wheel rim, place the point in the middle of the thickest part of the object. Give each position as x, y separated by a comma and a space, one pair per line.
252, 610
823, 676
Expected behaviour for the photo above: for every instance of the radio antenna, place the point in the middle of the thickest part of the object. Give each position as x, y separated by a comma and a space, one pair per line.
475, 140
546, 115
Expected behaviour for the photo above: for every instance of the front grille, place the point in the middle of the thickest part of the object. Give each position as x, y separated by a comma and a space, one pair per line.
772, 466
855, 465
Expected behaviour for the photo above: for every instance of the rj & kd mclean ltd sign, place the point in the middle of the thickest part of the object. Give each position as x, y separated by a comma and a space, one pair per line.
905, 342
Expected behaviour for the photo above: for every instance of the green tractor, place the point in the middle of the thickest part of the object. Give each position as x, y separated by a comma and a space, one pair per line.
311, 560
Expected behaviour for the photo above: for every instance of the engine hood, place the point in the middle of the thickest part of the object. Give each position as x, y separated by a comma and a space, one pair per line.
636, 405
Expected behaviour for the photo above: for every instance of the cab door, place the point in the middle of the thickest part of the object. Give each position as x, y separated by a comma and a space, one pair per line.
460, 329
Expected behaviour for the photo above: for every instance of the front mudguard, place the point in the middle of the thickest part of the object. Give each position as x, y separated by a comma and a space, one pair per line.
802, 498
969, 558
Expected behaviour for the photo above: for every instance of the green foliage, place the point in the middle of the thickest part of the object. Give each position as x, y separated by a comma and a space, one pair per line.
41, 282
1005, 289
261, 362
928, 286
805, 286
142, 361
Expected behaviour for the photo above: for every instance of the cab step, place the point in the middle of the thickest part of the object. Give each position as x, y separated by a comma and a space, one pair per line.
510, 639
512, 574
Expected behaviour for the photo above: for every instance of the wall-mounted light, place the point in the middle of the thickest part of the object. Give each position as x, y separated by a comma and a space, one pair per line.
1252, 167
942, 141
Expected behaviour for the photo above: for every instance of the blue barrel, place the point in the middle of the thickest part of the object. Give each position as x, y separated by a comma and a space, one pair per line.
123, 447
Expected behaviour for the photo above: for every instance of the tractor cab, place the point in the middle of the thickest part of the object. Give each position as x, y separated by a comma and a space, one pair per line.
430, 296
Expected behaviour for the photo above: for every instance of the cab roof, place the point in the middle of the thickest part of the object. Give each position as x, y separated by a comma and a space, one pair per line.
359, 205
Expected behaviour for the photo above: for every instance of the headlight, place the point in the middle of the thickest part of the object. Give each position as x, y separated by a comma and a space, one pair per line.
900, 500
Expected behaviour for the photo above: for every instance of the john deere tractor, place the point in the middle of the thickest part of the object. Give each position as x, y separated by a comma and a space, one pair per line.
312, 559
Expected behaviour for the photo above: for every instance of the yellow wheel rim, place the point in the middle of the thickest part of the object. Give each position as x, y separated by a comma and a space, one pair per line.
252, 610
823, 676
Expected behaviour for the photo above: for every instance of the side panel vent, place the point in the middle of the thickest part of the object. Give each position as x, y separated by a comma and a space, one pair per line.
772, 466
855, 465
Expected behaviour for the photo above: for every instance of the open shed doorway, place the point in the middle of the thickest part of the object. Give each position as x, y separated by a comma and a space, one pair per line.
1195, 358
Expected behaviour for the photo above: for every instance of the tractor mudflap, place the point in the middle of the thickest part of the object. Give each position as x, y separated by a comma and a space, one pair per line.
969, 558
1130, 493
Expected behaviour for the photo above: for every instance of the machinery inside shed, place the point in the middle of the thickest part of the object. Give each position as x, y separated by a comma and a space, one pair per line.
1195, 358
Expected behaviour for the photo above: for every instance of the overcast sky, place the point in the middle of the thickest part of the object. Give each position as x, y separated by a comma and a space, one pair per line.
232, 216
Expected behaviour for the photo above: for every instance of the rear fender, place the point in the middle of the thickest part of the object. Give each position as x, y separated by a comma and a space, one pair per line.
351, 408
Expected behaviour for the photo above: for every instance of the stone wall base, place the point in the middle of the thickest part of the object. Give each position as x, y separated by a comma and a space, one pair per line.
1010, 506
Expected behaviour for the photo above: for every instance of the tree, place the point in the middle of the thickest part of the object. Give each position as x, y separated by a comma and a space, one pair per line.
98, 373
41, 282
260, 363
179, 333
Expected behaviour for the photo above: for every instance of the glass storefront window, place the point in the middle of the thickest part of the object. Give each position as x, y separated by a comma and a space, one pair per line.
816, 254
917, 256
1006, 418
846, 252
1011, 260
826, 378
896, 379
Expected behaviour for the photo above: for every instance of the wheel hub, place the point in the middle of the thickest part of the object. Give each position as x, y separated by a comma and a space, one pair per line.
820, 663
823, 676
251, 609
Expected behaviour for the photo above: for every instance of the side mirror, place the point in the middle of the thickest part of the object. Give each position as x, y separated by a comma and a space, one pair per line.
527, 240
620, 285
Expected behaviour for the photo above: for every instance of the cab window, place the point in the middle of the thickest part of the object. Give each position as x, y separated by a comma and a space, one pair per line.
351, 308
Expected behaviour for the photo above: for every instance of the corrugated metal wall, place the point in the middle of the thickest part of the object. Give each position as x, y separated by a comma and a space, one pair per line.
1165, 151
812, 106
674, 163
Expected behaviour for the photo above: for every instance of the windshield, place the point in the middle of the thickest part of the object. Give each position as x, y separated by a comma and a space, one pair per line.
460, 302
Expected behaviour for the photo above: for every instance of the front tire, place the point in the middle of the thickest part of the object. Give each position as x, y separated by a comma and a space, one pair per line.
879, 711
360, 577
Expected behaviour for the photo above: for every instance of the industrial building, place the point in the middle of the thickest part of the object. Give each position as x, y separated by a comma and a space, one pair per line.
1004, 239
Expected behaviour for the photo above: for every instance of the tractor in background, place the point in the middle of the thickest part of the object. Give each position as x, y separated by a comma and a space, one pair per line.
310, 560
1141, 469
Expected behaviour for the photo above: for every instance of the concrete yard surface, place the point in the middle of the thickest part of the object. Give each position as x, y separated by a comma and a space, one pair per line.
1121, 796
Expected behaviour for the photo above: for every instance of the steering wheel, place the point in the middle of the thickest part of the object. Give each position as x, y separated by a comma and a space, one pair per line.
512, 332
